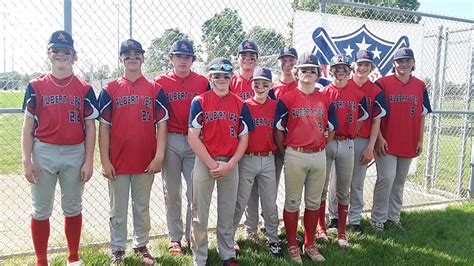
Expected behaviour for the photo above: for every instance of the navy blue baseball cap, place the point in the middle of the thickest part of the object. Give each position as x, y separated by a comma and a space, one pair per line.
220, 65
364, 56
307, 59
288, 51
131, 45
182, 47
262, 73
61, 39
404, 52
248, 46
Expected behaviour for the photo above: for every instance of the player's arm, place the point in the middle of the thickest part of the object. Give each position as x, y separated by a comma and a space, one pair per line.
199, 149
161, 117
281, 120
333, 123
105, 107
379, 110
426, 110
27, 138
89, 144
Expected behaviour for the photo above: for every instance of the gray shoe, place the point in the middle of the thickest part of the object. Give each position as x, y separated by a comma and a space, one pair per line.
379, 227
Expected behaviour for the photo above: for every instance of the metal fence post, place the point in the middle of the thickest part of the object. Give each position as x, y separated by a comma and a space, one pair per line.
435, 99
68, 16
466, 120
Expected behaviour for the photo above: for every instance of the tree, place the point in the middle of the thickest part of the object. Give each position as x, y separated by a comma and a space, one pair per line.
222, 34
413, 5
103, 72
157, 59
269, 41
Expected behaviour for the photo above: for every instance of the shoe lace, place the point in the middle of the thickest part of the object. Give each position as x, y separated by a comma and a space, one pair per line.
274, 247
294, 252
144, 252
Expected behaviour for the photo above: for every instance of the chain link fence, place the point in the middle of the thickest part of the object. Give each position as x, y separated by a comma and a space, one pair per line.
216, 28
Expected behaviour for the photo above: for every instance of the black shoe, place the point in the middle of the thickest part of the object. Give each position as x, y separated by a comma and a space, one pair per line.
394, 224
230, 262
334, 223
356, 228
118, 258
275, 249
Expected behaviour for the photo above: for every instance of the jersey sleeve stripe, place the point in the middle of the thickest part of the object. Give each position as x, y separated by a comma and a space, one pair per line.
194, 122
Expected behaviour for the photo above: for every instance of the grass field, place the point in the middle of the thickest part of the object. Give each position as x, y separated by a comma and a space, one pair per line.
436, 237
11, 99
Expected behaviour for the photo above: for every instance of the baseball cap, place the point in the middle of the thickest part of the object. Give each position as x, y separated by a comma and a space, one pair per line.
130, 45
364, 56
183, 47
61, 39
248, 46
220, 65
307, 59
288, 51
340, 59
404, 52
262, 73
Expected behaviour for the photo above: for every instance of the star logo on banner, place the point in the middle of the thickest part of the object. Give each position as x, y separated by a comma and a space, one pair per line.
348, 50
376, 53
363, 45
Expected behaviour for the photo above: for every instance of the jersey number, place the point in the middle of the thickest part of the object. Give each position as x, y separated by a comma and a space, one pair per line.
74, 116
412, 110
232, 131
349, 118
145, 115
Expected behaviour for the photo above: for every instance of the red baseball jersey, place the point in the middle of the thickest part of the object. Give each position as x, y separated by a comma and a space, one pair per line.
241, 87
350, 105
263, 116
222, 120
179, 93
132, 110
305, 118
59, 108
281, 88
407, 103
376, 106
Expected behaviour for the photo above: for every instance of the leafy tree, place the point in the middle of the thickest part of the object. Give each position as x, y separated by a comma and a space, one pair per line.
268, 41
222, 34
157, 59
103, 72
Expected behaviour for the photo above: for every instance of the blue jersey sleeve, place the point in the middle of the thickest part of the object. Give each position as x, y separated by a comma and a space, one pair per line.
271, 94
196, 119
161, 107
426, 103
246, 122
363, 113
29, 102
105, 107
91, 106
379, 107
333, 124
281, 116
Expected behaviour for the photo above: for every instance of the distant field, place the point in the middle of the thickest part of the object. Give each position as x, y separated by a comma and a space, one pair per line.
11, 99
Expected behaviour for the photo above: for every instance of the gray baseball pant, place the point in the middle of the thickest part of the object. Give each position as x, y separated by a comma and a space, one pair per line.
179, 159
388, 192
57, 162
357, 186
252, 210
203, 186
139, 186
261, 168
304, 171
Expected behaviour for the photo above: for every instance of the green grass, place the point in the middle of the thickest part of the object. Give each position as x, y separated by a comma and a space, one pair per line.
440, 237
10, 141
11, 99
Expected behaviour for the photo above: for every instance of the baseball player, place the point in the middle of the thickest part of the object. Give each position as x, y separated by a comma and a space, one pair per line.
400, 138
219, 123
58, 139
364, 141
258, 163
132, 141
351, 108
180, 85
304, 115
241, 84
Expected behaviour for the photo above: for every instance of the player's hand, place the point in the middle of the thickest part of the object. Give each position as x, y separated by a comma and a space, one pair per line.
419, 148
366, 156
30, 171
86, 172
222, 170
381, 146
108, 171
154, 166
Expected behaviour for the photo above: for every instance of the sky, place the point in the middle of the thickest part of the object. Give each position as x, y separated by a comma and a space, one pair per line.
455, 8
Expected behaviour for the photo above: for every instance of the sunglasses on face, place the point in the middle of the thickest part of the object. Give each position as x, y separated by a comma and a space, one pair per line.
64, 51
225, 67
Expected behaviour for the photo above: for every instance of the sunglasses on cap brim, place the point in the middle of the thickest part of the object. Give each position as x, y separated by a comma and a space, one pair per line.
217, 67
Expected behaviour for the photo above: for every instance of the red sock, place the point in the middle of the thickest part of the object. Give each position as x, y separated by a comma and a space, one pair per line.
342, 214
322, 216
291, 226
40, 236
310, 221
72, 228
